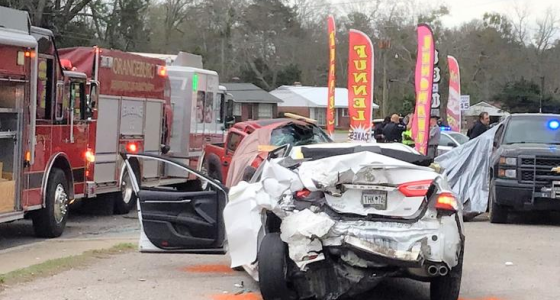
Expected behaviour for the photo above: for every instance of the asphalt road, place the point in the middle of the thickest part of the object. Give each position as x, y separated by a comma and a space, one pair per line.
78, 226
530, 247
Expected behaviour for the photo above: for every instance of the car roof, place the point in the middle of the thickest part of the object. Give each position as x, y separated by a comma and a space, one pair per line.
515, 116
268, 123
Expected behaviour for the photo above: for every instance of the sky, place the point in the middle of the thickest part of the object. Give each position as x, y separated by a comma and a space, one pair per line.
462, 11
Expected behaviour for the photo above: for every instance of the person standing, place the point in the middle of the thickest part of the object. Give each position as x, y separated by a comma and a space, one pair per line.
378, 130
393, 131
407, 134
479, 126
435, 134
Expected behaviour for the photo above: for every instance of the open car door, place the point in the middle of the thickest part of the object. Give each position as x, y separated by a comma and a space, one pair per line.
175, 214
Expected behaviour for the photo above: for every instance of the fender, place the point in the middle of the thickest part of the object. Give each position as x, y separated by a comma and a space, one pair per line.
66, 168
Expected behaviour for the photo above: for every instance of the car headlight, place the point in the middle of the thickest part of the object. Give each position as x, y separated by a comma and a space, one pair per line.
511, 161
507, 173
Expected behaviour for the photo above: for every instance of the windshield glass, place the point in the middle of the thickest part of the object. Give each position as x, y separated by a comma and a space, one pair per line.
297, 135
534, 129
460, 138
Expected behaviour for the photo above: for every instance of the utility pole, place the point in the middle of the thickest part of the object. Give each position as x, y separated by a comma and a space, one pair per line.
384, 46
542, 94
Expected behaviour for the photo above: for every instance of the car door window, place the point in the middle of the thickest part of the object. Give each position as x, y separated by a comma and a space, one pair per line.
176, 214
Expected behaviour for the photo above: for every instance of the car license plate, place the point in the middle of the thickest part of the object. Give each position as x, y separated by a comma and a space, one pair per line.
375, 199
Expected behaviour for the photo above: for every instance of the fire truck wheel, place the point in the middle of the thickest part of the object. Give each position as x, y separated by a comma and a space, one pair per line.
50, 221
125, 201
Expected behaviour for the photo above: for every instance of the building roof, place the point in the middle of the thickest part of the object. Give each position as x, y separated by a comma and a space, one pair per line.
311, 96
249, 93
480, 107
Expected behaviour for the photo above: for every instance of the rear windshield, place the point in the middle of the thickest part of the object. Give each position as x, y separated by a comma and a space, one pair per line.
533, 130
297, 135
460, 138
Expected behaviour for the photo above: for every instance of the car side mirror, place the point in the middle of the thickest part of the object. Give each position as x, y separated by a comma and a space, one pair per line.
451, 144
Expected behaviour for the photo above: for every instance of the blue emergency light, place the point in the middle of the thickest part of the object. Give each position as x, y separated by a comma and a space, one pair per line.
553, 124
445, 128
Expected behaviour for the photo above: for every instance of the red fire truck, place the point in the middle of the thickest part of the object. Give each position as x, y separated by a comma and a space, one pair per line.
64, 117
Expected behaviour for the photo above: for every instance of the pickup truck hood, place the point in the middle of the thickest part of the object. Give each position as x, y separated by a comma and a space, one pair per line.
531, 149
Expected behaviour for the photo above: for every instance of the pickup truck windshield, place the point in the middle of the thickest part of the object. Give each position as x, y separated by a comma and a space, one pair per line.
297, 135
532, 130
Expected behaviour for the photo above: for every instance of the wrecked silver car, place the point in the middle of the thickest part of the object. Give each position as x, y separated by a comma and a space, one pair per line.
333, 220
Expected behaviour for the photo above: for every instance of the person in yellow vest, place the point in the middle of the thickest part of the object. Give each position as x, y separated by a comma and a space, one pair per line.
407, 134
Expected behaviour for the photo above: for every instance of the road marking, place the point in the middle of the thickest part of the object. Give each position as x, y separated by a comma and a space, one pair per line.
248, 296
491, 298
221, 269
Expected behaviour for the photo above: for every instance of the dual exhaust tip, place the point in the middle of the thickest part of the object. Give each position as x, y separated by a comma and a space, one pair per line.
435, 270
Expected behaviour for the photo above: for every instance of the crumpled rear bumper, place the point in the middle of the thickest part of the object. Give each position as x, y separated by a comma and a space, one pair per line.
397, 244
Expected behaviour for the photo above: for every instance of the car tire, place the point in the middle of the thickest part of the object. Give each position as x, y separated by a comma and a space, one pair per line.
273, 269
126, 199
498, 214
50, 221
448, 287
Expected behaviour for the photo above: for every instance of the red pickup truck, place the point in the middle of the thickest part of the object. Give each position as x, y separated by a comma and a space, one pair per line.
216, 158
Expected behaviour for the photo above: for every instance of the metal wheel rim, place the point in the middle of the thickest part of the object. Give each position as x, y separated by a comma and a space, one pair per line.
60, 203
126, 189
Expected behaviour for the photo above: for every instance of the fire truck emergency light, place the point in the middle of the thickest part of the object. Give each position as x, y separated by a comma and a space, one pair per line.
90, 157
195, 82
162, 71
132, 147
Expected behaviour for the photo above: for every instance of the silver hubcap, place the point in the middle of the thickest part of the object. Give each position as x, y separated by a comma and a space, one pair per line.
60, 203
126, 189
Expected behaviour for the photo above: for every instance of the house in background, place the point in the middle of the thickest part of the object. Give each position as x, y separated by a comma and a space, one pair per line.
311, 102
471, 115
252, 102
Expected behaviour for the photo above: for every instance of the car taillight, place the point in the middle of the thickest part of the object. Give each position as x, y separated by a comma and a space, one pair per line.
415, 188
446, 201
303, 194
132, 147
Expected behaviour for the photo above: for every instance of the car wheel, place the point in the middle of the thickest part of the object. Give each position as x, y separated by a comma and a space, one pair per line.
125, 201
497, 213
273, 269
50, 221
448, 287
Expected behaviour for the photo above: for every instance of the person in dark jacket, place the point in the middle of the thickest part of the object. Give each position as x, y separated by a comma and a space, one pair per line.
378, 130
479, 126
393, 131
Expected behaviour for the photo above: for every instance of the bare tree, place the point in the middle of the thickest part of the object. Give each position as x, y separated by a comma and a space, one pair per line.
547, 27
520, 21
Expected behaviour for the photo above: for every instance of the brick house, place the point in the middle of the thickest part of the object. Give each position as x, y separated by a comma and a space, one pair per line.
252, 102
311, 102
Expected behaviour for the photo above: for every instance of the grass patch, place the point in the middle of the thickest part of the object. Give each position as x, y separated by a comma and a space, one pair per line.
58, 265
